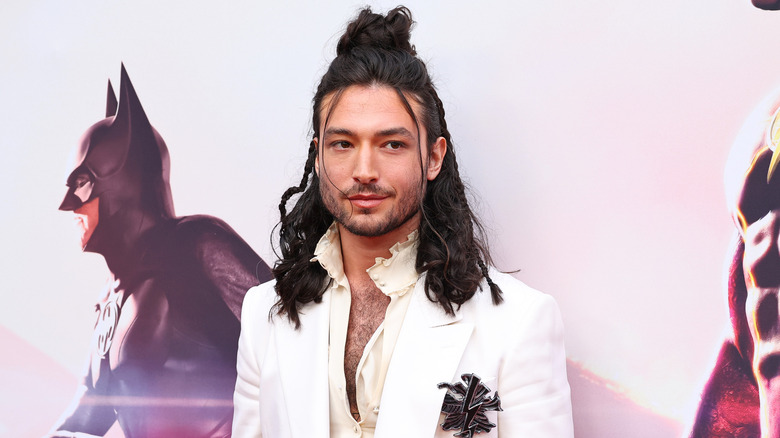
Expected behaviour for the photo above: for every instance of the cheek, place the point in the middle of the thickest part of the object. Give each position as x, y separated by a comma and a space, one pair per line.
409, 180
93, 219
330, 166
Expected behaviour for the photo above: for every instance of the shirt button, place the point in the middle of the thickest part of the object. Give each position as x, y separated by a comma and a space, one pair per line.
374, 277
357, 430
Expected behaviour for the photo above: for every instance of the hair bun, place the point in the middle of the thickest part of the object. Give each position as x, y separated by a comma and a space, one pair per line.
390, 32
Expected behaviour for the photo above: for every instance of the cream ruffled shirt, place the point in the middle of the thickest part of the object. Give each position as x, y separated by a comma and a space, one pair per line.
395, 277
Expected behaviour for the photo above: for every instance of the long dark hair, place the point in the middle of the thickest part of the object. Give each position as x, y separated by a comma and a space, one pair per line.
376, 50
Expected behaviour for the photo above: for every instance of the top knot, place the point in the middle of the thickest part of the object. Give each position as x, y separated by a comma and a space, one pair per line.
390, 32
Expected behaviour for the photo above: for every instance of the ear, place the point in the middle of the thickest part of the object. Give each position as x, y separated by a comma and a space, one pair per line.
436, 158
315, 140
111, 102
130, 109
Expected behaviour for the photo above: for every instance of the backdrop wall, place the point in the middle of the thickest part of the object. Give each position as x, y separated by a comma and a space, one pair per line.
593, 134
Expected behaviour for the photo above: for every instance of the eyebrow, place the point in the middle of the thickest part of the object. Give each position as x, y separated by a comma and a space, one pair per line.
341, 131
395, 131
399, 131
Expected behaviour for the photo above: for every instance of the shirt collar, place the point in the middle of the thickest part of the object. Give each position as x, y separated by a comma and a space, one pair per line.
395, 275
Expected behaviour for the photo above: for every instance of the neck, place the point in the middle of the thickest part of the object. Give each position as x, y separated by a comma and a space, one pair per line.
122, 241
359, 253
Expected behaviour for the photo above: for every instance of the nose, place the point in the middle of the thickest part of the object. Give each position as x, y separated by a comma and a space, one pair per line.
71, 202
365, 169
762, 253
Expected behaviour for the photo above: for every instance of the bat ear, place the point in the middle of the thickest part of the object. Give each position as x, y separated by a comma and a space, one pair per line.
130, 133
111, 102
130, 109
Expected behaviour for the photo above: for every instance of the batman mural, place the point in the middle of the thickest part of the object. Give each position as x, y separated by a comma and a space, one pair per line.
163, 356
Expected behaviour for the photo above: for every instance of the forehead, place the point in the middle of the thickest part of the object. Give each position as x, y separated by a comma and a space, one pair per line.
368, 107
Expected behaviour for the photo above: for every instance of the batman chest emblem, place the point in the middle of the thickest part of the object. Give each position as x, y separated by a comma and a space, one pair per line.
108, 311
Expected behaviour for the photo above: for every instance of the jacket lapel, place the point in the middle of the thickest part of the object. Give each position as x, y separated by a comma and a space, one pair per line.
303, 371
427, 353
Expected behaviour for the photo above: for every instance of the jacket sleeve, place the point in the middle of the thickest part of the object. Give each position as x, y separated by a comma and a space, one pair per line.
533, 386
246, 398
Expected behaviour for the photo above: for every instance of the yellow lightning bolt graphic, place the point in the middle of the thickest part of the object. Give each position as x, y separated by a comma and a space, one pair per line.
772, 140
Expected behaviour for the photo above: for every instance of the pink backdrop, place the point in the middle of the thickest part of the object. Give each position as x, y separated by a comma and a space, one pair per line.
594, 135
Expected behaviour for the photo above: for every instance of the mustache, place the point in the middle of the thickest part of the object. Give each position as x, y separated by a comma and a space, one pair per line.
368, 189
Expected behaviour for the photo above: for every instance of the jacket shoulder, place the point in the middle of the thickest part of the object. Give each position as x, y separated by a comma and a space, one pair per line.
525, 314
259, 299
516, 294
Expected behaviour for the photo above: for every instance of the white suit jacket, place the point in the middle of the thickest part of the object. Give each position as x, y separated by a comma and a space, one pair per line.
516, 348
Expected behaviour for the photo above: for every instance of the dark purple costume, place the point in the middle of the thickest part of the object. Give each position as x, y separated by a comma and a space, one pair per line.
163, 359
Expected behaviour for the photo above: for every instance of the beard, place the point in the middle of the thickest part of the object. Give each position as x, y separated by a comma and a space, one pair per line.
364, 222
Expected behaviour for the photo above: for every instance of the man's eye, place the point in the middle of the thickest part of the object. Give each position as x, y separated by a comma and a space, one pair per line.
81, 180
82, 187
341, 144
394, 145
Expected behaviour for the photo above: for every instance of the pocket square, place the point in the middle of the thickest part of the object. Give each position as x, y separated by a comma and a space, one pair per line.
465, 405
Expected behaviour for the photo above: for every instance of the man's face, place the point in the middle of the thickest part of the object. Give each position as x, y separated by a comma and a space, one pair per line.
80, 187
87, 219
369, 164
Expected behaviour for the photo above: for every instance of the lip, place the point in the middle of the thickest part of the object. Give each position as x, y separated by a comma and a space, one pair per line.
366, 201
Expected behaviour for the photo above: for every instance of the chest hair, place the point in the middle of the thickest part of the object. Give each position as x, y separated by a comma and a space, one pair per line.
366, 313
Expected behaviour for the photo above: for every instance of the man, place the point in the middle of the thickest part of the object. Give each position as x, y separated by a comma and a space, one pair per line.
163, 353
742, 397
384, 319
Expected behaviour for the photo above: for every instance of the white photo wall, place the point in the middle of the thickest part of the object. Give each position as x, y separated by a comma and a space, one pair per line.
593, 135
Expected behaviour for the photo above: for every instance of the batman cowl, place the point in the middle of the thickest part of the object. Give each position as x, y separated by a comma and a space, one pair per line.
163, 358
